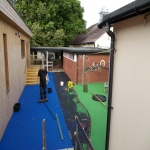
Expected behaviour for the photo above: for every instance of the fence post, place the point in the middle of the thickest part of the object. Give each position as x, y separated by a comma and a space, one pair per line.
77, 139
42, 60
76, 144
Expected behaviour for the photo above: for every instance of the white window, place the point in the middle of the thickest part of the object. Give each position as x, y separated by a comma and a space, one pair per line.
70, 56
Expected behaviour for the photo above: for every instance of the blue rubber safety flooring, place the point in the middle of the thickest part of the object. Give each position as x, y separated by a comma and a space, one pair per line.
24, 130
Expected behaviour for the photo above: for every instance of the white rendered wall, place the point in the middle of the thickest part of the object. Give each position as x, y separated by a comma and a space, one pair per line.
130, 119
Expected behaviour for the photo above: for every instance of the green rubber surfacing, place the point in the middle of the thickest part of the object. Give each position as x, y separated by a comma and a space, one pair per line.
97, 111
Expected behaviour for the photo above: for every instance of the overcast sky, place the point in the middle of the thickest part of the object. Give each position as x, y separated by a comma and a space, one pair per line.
92, 8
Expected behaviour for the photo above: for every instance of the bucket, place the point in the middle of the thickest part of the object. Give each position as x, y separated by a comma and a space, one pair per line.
49, 90
61, 83
17, 107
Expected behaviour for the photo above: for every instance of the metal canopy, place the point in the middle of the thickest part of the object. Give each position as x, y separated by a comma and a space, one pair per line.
81, 50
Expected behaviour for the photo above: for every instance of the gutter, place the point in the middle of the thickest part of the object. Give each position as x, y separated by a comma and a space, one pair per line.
133, 9
111, 64
19, 16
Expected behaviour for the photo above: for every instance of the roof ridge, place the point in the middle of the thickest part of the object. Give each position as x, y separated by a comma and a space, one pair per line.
90, 37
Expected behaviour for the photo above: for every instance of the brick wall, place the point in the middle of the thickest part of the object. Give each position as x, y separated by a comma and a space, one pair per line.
93, 76
69, 66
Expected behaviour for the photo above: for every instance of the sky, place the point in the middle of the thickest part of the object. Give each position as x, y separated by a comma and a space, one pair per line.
92, 8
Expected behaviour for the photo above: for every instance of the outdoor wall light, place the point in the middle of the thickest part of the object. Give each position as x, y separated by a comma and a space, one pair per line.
18, 34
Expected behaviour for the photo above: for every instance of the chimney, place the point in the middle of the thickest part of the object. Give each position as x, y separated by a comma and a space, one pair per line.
103, 12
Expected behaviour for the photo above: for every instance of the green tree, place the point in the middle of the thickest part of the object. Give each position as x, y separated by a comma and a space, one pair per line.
53, 22
12, 1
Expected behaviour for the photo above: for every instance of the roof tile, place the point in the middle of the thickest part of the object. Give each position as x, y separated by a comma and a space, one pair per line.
93, 33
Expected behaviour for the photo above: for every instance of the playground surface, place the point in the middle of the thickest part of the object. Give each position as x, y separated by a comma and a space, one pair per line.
24, 130
97, 111
71, 107
81, 104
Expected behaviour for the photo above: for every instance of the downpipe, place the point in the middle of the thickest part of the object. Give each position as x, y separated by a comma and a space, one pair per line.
111, 64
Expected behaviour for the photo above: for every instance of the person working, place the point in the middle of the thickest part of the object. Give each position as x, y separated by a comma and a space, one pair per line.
42, 74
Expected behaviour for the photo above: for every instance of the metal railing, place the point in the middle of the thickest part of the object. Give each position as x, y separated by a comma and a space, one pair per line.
78, 144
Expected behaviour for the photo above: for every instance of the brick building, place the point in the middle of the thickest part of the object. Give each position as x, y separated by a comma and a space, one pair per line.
94, 61
73, 63
86, 66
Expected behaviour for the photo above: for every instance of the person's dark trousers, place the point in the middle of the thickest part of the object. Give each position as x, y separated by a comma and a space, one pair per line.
43, 91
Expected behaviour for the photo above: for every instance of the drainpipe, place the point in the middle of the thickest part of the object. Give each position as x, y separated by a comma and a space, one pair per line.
111, 64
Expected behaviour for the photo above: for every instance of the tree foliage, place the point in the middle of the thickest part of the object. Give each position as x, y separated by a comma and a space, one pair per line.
12, 1
53, 22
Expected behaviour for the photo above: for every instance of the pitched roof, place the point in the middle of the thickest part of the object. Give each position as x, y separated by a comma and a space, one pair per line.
93, 33
10, 15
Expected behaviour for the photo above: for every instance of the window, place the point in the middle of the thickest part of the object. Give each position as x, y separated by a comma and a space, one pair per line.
69, 55
22, 49
6, 62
